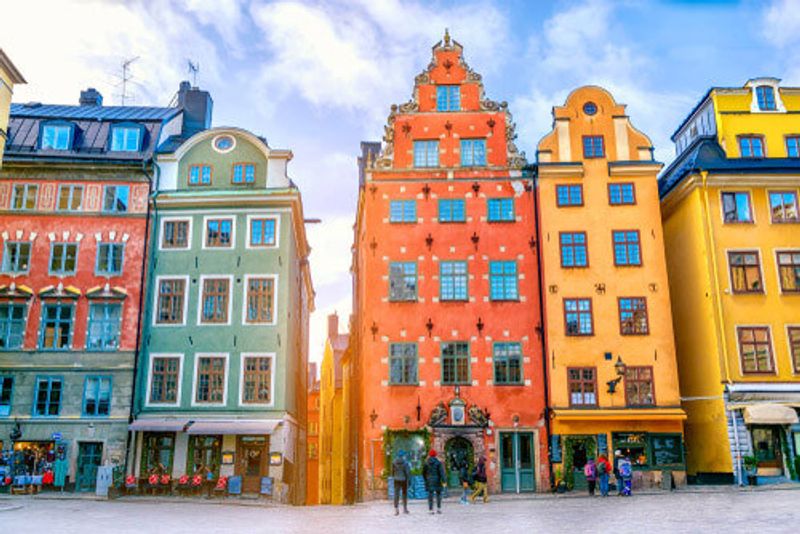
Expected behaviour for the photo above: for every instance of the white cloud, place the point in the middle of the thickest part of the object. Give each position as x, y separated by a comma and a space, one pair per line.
330, 250
319, 325
781, 23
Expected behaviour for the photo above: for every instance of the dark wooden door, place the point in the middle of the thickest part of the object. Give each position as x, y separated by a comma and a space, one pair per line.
252, 464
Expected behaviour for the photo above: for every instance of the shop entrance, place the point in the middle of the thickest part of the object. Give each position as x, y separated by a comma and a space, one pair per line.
458, 450
767, 447
252, 464
90, 454
577, 451
517, 462
33, 457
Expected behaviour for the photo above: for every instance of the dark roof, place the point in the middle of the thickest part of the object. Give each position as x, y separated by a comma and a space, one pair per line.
106, 113
689, 116
705, 154
370, 150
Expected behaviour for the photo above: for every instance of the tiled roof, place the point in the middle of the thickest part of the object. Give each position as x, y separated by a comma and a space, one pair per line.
106, 113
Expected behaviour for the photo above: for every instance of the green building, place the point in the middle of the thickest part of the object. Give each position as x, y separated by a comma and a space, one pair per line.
221, 377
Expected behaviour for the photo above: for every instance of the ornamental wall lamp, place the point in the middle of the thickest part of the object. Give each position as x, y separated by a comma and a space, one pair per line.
429, 241
479, 325
476, 187
374, 330
419, 409
475, 239
429, 326
620, 369
426, 190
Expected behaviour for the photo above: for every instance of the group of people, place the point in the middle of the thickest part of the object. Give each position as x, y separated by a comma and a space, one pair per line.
433, 473
599, 471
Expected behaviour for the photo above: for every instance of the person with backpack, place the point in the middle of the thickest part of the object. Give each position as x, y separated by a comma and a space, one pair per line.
626, 472
617, 476
590, 470
479, 476
433, 473
603, 468
464, 479
401, 472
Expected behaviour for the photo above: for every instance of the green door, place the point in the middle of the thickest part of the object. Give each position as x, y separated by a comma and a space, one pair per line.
89, 457
517, 462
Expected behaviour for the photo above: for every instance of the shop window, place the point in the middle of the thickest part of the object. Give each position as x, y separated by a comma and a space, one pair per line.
569, 195
578, 317
666, 449
634, 445
109, 259
260, 300
12, 325
633, 316
205, 453
244, 173
453, 280
639, 388
736, 207
219, 233
215, 299
115, 198
171, 296
755, 349
126, 138
199, 174
593, 146
56, 331
793, 332
751, 146
402, 281
97, 396
582, 386
164, 377
16, 257
627, 248
57, 136
455, 363
210, 380
452, 210
175, 234
745, 271
793, 146
766, 98
257, 380
403, 211
448, 98
158, 449
507, 359
621, 194
262, 232
403, 363
48, 397
70, 197
104, 326
574, 252
6, 390
767, 445
501, 209
783, 206
426, 153
473, 152
503, 280
24, 197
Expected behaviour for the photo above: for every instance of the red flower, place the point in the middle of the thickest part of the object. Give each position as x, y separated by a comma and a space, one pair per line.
222, 483
165, 479
153, 479
197, 480
183, 480
130, 480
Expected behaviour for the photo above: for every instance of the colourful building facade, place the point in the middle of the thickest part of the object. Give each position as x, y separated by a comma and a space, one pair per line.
446, 289
312, 437
732, 232
9, 77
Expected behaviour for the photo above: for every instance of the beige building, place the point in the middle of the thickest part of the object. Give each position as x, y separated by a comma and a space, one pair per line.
9, 77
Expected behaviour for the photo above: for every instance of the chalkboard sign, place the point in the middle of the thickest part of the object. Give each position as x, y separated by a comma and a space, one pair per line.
555, 448
602, 443
266, 486
667, 449
235, 485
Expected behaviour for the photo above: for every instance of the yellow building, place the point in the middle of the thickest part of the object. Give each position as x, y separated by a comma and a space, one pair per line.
333, 436
9, 76
610, 350
730, 210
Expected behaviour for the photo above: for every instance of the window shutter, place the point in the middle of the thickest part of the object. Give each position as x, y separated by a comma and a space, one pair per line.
555, 448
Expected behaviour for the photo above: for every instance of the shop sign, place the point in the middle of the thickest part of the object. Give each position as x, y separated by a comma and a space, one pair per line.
227, 457
275, 458
56, 436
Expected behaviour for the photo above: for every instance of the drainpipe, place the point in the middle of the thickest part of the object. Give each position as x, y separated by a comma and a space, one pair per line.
738, 450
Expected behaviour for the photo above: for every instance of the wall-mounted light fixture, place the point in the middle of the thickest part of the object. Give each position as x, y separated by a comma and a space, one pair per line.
620, 369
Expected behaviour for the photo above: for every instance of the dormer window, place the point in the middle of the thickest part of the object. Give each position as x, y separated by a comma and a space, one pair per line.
448, 98
766, 98
56, 136
126, 138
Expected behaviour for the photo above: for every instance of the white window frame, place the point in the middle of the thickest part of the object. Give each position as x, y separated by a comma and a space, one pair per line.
204, 277
185, 299
165, 220
151, 357
225, 388
264, 215
206, 218
242, 357
246, 279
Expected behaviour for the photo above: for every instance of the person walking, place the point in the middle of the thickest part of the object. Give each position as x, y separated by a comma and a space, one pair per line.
464, 479
626, 472
480, 481
433, 473
401, 472
603, 468
590, 470
617, 476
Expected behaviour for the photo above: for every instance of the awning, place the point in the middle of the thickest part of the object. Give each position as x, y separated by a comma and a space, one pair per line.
234, 426
159, 425
769, 414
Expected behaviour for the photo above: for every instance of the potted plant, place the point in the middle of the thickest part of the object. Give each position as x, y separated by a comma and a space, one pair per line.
751, 466
561, 484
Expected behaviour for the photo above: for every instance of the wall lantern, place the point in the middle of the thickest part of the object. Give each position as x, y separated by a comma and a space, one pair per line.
406, 127
620, 369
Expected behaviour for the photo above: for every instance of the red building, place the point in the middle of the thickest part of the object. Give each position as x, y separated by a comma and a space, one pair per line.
448, 349
312, 421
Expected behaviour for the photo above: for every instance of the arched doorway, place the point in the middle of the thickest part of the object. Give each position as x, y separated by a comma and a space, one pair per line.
457, 451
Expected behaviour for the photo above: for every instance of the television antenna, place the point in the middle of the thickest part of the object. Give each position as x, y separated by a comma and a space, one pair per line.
126, 77
194, 68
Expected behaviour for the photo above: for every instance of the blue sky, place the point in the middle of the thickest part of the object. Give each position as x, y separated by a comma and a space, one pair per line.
319, 77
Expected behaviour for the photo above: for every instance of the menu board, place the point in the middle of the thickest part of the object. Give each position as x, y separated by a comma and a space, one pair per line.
667, 449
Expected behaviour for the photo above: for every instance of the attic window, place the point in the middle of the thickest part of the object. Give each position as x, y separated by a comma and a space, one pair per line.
766, 98
224, 143
448, 98
56, 136
126, 138
590, 108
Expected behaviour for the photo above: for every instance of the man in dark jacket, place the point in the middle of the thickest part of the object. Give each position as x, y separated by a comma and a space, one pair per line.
480, 481
433, 472
401, 472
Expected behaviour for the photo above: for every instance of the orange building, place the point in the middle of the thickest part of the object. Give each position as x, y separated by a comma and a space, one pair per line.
447, 325
312, 420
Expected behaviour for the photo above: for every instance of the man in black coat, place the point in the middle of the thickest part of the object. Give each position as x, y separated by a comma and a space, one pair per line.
433, 472
401, 472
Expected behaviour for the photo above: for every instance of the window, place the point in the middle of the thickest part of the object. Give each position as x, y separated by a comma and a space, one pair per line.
312, 450
171, 294
793, 146
452, 210
736, 207
224, 143
260, 300
403, 211
751, 146
199, 174
448, 98
633, 316
403, 363
97, 396
56, 136
507, 359
503, 280
455, 363
745, 272
590, 108
157, 452
109, 258
70, 197
402, 281
244, 173
48, 397
104, 326
56, 331
755, 349
621, 194
794, 346
639, 389
218, 233
6, 388
582, 386
501, 209
12, 325
578, 317
126, 138
627, 249
215, 300
783, 206
573, 249
593, 146
426, 153
204, 452
164, 377
453, 280
210, 380
115, 198
789, 270
175, 235
63, 258
766, 98
473, 152
569, 195
24, 197
16, 257
257, 380
262, 232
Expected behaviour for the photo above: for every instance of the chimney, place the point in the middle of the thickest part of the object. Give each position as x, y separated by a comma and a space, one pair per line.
91, 97
197, 106
312, 373
333, 326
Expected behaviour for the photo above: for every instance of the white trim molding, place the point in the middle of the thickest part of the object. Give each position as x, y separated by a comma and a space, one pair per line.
225, 388
232, 217
240, 399
175, 218
187, 287
247, 278
203, 278
264, 215
150, 357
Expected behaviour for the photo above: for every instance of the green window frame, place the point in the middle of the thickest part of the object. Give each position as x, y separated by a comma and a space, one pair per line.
453, 281
47, 396
426, 153
500, 210
97, 396
455, 358
507, 360
17, 257
63, 258
503, 280
402, 281
12, 325
158, 450
452, 210
103, 330
473, 152
110, 259
6, 394
403, 364
57, 326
